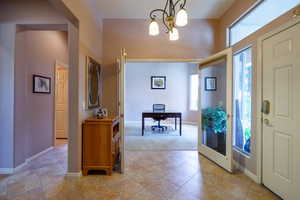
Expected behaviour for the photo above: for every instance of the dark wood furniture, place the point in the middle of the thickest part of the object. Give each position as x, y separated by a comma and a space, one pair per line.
159, 108
100, 144
165, 115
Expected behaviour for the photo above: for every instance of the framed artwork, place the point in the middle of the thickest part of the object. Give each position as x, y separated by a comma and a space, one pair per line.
41, 84
210, 83
93, 77
158, 82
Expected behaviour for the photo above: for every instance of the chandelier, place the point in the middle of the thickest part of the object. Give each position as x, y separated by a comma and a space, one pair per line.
170, 19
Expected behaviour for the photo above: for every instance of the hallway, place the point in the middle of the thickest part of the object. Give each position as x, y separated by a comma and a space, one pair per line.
150, 175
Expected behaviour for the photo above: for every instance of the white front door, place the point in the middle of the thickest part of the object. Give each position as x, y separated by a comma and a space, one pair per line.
281, 117
215, 108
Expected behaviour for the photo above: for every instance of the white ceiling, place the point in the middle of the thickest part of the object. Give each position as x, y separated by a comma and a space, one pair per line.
141, 8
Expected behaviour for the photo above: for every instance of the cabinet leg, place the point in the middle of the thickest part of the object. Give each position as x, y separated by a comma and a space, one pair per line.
109, 172
84, 172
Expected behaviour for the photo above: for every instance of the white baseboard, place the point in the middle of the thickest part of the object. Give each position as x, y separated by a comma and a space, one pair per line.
74, 174
6, 170
246, 172
13, 170
38, 154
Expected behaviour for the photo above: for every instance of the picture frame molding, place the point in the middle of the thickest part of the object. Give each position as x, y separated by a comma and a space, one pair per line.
87, 104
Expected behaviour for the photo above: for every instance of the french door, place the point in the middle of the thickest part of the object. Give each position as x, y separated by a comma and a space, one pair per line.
215, 108
121, 75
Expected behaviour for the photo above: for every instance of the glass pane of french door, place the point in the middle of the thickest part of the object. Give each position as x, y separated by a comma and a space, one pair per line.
213, 106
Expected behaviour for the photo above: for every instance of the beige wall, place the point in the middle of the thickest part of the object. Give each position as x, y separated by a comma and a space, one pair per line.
34, 113
197, 40
225, 21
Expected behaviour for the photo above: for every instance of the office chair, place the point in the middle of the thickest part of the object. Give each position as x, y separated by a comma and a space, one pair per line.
159, 108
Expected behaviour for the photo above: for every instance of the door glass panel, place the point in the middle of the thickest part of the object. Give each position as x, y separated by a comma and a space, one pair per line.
242, 101
213, 105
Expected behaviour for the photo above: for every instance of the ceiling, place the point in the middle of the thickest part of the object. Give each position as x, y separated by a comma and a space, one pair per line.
118, 9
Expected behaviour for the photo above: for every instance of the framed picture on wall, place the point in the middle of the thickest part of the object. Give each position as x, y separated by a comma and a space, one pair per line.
41, 84
210, 83
93, 83
158, 82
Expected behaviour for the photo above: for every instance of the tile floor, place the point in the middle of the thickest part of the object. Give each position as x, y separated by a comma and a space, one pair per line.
150, 175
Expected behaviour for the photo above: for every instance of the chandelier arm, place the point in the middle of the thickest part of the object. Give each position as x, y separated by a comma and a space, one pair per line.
181, 5
164, 17
152, 13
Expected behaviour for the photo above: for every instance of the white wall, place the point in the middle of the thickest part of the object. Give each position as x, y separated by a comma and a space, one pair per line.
140, 97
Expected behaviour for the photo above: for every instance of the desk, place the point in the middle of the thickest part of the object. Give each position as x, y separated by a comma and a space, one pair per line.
166, 114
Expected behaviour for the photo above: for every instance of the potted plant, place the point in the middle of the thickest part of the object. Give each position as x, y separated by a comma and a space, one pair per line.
214, 122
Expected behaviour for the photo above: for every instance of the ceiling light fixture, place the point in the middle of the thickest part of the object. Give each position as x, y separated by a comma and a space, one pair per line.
170, 19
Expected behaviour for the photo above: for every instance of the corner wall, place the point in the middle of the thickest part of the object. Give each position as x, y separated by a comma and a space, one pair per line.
7, 42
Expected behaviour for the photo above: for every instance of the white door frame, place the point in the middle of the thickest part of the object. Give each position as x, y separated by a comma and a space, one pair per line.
121, 71
224, 161
259, 136
61, 64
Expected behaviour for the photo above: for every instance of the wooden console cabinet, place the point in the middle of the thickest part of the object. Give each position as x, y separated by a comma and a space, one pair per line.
100, 144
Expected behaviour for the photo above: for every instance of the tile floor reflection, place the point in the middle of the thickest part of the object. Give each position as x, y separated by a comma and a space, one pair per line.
150, 175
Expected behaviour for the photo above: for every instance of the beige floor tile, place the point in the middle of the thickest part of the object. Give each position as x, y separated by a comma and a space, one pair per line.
150, 175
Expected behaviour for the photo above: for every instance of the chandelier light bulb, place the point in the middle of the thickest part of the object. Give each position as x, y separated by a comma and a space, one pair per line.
153, 28
173, 34
181, 17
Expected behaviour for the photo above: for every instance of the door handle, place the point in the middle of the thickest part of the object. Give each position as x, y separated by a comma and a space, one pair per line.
265, 107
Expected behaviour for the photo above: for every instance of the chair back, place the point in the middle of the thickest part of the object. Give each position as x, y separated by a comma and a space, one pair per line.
159, 107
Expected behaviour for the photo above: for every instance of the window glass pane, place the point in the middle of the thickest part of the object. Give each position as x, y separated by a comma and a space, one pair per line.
194, 83
242, 100
264, 13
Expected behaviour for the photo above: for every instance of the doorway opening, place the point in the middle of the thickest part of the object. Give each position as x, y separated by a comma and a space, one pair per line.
169, 85
61, 104
37, 119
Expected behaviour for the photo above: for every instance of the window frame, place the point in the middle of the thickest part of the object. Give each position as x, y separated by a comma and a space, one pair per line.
243, 15
253, 109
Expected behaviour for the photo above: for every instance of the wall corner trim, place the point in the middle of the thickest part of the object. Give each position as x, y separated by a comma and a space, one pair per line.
74, 174
6, 170
13, 170
38, 154
252, 176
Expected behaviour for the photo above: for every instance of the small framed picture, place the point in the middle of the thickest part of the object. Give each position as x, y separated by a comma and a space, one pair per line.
41, 84
158, 82
210, 84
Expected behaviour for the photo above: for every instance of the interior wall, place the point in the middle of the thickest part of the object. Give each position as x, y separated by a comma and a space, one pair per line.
197, 40
7, 42
175, 96
34, 113
237, 9
90, 44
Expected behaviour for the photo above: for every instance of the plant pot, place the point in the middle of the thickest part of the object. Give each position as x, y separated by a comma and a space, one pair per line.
221, 143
